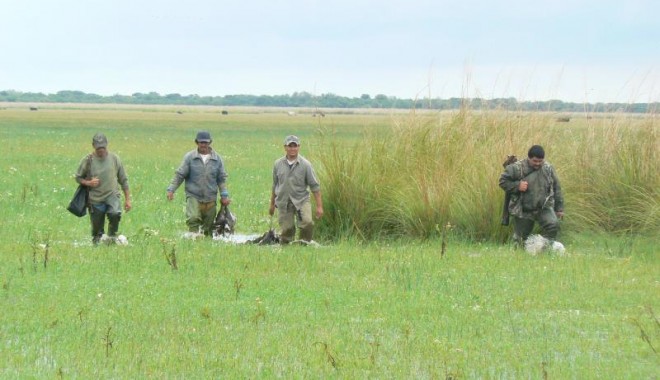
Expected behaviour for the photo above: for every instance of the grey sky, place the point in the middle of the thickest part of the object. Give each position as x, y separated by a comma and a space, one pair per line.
532, 50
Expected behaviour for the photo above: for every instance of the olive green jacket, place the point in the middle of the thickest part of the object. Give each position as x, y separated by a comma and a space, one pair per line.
109, 170
543, 191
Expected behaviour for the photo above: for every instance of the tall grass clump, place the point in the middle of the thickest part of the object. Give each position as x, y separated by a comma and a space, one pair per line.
427, 170
614, 181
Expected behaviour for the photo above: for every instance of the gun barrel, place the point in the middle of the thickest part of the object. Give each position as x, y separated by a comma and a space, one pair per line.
505, 210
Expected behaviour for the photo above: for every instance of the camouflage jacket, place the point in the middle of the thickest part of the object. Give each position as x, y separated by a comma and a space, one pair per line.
543, 191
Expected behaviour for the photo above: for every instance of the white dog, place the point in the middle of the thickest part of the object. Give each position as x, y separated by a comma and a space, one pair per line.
119, 240
536, 244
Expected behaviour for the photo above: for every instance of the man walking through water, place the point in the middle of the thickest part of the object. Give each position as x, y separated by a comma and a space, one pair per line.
103, 173
204, 173
292, 176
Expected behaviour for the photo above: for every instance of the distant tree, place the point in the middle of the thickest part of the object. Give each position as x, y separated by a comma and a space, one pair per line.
381, 101
329, 100
172, 99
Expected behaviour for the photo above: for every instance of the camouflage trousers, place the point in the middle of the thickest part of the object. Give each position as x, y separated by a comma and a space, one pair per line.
546, 219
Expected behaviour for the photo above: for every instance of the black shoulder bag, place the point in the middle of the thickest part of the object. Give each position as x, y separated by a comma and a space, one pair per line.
80, 202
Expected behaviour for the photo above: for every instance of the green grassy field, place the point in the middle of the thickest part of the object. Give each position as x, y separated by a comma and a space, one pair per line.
348, 309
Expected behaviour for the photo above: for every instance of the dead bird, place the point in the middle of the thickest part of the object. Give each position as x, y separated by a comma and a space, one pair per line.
225, 222
269, 238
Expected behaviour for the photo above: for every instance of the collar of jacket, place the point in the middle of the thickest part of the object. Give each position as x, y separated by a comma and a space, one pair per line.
213, 155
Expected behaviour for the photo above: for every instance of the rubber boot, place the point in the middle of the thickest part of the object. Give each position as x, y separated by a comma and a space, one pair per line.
98, 221
113, 224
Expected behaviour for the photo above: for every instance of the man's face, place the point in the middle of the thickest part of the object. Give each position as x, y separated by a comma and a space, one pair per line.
101, 152
536, 162
292, 150
203, 147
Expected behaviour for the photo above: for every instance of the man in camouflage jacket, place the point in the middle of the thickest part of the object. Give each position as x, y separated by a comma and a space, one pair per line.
535, 195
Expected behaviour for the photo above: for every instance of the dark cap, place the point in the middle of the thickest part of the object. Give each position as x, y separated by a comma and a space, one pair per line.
203, 136
99, 141
291, 139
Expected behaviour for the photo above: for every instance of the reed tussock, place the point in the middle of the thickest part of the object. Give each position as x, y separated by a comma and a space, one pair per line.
426, 170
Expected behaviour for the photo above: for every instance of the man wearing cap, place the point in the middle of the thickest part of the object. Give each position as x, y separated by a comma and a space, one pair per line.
292, 176
204, 173
103, 173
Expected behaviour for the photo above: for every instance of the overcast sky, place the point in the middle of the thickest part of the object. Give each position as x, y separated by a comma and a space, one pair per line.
577, 50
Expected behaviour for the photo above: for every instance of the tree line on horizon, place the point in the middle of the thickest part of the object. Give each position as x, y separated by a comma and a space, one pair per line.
329, 100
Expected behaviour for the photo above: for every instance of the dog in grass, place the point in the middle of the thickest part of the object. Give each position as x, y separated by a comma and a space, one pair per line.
536, 244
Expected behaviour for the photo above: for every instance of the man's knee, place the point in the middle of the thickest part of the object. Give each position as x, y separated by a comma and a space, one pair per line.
549, 225
523, 228
113, 224
550, 230
287, 226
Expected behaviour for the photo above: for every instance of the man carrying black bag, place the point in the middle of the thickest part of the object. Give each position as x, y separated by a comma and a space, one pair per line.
103, 175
